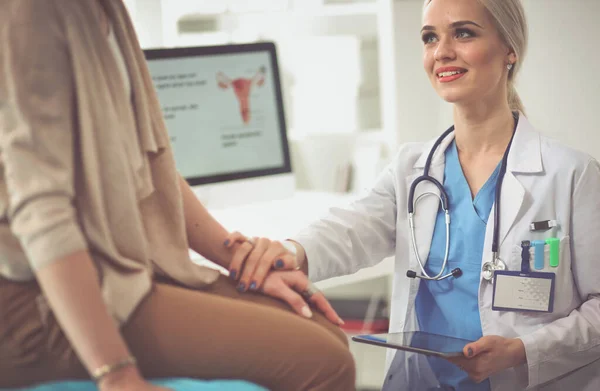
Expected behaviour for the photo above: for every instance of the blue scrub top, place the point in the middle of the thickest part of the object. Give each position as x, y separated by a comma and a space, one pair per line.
450, 307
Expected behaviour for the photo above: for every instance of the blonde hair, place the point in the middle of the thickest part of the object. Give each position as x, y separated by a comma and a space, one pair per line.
509, 18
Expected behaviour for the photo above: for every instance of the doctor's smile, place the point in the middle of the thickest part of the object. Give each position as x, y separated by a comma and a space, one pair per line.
448, 74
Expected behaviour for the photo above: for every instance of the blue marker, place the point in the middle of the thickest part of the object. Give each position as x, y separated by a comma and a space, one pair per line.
539, 254
525, 245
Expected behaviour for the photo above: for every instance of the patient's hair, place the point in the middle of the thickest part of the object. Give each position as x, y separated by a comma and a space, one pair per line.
509, 18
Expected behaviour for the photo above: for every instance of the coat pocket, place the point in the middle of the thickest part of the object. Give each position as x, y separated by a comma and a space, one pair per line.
565, 293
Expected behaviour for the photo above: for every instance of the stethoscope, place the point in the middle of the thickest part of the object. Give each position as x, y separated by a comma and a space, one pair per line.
489, 267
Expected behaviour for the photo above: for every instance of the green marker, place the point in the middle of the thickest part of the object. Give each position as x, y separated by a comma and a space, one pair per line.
554, 250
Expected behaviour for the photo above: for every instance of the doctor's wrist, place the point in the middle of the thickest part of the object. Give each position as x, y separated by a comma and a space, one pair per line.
300, 254
517, 351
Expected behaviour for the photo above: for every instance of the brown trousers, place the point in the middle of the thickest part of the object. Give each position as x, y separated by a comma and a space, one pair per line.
217, 333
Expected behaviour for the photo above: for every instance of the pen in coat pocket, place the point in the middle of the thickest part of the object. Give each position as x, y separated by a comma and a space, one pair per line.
539, 260
554, 251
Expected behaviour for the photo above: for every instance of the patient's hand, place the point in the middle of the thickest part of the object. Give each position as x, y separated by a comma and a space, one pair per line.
251, 263
267, 265
127, 379
287, 285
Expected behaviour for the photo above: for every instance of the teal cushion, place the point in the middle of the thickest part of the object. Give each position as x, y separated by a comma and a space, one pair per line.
174, 384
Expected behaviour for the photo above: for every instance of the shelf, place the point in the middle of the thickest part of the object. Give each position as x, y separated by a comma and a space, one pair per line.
362, 135
323, 10
190, 9
344, 9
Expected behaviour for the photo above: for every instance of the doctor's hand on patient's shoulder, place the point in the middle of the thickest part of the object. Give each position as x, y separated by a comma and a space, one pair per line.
287, 285
490, 355
255, 258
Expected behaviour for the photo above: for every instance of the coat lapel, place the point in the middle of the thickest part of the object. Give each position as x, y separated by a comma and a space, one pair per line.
524, 158
511, 200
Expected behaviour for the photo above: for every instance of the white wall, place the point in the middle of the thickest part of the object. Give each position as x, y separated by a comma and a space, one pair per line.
147, 17
419, 108
559, 82
131, 7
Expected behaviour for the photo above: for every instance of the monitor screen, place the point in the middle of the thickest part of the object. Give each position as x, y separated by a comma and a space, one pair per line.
223, 109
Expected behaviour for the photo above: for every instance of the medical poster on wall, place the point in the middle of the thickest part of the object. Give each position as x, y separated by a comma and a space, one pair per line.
221, 112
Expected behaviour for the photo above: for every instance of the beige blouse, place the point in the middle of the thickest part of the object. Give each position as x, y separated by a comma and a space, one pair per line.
83, 164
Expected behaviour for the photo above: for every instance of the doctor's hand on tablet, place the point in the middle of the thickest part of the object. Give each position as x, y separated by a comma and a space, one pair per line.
490, 355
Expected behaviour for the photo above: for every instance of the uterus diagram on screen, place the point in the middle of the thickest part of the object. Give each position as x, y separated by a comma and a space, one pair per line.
242, 88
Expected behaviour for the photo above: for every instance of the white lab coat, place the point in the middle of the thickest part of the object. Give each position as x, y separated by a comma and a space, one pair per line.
544, 180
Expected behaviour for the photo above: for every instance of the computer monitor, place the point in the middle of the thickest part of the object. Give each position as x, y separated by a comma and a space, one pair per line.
223, 108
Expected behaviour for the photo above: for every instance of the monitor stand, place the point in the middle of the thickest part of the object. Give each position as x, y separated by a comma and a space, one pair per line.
246, 191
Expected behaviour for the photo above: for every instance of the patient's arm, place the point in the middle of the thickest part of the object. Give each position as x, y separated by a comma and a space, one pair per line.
205, 235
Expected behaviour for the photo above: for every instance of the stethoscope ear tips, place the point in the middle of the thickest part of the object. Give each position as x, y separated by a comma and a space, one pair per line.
411, 274
456, 272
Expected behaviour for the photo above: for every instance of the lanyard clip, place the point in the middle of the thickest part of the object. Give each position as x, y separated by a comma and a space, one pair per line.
525, 245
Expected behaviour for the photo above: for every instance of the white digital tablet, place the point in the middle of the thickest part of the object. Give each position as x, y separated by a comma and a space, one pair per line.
418, 342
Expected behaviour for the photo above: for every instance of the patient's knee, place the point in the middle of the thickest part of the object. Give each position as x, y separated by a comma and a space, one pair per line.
337, 367
341, 336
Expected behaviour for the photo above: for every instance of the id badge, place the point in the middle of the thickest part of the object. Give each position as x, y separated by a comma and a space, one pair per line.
519, 291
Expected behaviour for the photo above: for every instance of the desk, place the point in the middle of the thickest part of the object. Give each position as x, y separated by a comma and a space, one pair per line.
281, 219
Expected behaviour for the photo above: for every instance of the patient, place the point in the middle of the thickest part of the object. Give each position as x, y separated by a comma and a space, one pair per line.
96, 227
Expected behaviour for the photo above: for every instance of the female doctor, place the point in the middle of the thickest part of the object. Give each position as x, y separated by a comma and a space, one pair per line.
497, 175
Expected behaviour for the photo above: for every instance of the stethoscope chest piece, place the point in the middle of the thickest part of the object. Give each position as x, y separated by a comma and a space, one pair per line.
489, 268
